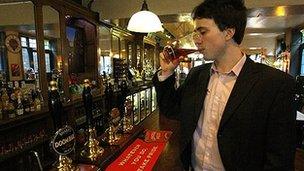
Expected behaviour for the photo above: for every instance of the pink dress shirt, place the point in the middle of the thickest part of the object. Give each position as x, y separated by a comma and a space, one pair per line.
205, 151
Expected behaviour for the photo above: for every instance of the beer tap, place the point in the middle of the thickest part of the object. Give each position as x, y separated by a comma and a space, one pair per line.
108, 96
92, 150
55, 105
56, 108
88, 102
115, 124
126, 120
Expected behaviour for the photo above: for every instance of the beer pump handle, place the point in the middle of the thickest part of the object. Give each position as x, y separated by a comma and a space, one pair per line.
88, 102
55, 105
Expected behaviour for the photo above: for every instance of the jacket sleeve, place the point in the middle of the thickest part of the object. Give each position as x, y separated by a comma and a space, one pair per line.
168, 98
280, 135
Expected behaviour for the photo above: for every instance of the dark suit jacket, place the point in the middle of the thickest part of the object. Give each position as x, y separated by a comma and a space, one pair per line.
257, 129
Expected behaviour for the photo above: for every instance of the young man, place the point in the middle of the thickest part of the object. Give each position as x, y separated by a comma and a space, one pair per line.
235, 114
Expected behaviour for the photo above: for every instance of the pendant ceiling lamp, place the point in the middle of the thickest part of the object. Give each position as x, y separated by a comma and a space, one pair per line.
144, 21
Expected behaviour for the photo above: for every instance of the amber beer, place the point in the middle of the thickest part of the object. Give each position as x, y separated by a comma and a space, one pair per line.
172, 54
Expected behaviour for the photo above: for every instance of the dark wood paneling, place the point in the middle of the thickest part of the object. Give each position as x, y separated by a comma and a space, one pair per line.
299, 160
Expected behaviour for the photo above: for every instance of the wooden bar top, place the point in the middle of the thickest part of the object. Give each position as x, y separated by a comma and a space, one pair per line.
170, 157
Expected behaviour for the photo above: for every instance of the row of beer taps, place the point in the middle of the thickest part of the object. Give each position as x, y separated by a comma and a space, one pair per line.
117, 126
117, 123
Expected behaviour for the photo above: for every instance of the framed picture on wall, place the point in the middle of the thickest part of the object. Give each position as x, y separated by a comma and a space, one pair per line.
15, 69
15, 72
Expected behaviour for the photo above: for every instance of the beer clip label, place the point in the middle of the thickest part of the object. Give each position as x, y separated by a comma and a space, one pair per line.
64, 141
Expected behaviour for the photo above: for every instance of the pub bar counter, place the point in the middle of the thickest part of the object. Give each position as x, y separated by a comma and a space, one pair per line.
68, 65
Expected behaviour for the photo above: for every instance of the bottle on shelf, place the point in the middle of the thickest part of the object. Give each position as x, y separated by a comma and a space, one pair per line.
5, 103
10, 92
23, 88
26, 103
5, 110
32, 105
17, 90
11, 113
37, 104
36, 99
39, 96
19, 108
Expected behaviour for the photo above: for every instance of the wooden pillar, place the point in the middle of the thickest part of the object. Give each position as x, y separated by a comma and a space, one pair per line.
40, 49
64, 47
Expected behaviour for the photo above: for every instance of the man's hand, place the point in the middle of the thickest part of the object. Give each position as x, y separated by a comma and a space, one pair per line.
167, 66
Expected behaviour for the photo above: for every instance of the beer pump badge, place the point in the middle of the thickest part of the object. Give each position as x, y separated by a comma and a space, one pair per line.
64, 140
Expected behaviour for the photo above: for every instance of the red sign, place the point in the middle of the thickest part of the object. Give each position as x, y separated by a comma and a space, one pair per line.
139, 156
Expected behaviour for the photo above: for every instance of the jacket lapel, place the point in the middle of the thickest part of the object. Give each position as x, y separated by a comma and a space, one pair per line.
245, 81
201, 90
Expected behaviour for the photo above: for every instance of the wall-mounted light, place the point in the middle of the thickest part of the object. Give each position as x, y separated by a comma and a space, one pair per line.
144, 21
280, 11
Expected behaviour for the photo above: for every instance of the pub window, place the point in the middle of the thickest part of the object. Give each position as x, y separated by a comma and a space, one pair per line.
30, 58
105, 64
46, 44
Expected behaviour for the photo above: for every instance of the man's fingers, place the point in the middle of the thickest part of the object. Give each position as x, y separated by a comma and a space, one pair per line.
162, 57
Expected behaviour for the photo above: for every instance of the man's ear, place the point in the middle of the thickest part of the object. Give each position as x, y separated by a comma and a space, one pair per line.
229, 33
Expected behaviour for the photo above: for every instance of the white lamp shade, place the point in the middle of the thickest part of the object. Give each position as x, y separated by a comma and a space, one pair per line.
144, 22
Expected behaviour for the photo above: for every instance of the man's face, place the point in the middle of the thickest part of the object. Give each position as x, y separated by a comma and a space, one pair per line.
208, 38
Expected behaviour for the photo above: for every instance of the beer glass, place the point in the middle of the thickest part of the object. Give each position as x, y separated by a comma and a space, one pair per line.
171, 53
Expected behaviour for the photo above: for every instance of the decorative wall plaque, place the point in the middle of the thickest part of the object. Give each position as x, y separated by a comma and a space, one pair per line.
12, 43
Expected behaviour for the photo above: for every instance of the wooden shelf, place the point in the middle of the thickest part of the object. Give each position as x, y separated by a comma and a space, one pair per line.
27, 148
23, 119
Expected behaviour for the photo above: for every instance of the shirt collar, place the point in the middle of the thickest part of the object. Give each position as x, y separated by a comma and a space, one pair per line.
235, 70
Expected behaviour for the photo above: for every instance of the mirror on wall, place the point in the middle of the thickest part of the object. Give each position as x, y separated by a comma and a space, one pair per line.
52, 46
115, 46
123, 52
138, 55
103, 51
81, 38
81, 49
148, 66
18, 53
129, 54
76, 39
